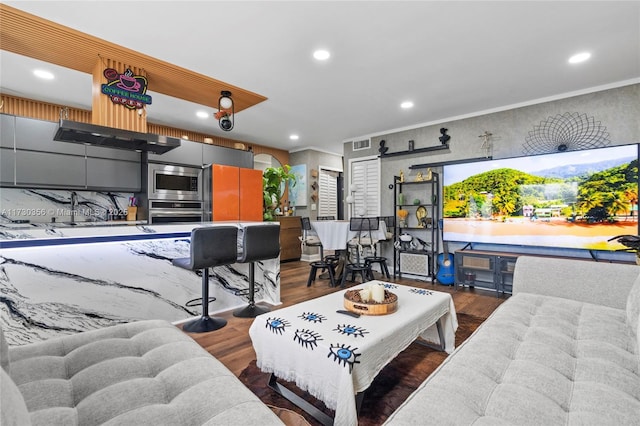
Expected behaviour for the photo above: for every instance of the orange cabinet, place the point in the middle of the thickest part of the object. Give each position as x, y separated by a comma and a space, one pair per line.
236, 193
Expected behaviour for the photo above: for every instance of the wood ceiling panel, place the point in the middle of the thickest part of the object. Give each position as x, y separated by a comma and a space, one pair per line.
34, 37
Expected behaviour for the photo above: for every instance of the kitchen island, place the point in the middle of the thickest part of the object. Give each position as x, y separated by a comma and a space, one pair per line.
61, 279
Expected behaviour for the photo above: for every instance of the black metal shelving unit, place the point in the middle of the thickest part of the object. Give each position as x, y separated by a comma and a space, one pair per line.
411, 261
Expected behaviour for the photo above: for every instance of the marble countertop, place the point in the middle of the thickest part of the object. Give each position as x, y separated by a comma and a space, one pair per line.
32, 235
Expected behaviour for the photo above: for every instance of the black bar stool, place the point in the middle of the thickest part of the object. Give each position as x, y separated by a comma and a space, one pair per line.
210, 246
259, 242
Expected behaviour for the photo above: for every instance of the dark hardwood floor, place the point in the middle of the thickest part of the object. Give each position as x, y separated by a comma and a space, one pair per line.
232, 344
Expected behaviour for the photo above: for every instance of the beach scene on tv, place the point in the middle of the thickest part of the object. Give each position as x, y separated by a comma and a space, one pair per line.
577, 199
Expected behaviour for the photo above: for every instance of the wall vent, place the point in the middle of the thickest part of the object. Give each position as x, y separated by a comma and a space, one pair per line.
363, 144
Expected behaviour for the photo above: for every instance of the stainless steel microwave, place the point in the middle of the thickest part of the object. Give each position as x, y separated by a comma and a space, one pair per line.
167, 182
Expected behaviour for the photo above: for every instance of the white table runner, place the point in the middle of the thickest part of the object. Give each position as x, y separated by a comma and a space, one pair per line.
334, 356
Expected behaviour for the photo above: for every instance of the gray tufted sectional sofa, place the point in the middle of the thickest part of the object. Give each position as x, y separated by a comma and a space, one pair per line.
142, 373
563, 350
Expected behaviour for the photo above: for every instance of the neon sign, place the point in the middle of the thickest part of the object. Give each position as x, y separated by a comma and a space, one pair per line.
126, 89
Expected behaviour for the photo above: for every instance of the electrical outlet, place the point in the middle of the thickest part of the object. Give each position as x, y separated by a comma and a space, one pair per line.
313, 206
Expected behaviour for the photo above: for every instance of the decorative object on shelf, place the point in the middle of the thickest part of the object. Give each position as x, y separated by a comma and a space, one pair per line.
314, 173
405, 241
419, 177
383, 149
429, 174
314, 185
225, 111
566, 132
411, 145
273, 180
424, 244
416, 201
401, 198
401, 176
487, 145
445, 137
402, 215
421, 215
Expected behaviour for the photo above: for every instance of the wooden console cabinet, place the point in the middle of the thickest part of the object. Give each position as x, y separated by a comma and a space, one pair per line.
290, 231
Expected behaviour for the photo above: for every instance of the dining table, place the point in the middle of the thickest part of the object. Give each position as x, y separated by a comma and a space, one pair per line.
335, 234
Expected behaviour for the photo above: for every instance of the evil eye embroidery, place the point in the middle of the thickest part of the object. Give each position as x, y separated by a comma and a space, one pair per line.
344, 355
277, 325
312, 317
307, 338
421, 291
351, 330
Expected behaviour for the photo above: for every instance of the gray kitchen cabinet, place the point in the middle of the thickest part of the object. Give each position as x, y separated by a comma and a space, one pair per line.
7, 131
188, 153
112, 153
35, 168
37, 135
212, 154
7, 166
114, 175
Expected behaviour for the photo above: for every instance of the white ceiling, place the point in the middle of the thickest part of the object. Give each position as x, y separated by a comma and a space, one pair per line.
452, 59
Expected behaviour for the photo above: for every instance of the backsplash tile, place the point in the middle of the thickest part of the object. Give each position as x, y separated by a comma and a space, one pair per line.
46, 206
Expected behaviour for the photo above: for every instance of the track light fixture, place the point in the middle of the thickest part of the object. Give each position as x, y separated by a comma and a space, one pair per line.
225, 111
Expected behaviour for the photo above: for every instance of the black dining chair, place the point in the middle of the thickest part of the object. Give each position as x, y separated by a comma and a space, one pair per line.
259, 242
210, 246
331, 258
363, 227
389, 222
308, 239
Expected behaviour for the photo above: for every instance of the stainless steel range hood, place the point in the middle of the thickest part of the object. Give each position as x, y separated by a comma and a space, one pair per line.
76, 132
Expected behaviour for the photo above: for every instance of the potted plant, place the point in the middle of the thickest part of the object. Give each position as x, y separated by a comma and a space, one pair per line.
273, 186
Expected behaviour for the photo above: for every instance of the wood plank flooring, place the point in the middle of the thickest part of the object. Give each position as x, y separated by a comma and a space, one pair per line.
232, 344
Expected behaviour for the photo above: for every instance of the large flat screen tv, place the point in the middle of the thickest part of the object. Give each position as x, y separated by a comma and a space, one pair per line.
577, 199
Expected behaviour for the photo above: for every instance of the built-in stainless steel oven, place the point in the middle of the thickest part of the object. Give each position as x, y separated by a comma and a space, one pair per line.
161, 211
168, 182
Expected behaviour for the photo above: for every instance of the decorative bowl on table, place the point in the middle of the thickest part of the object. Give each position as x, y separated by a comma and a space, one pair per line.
353, 302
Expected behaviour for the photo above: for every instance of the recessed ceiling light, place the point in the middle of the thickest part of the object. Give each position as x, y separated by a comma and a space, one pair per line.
45, 75
321, 54
202, 114
294, 137
579, 57
406, 105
